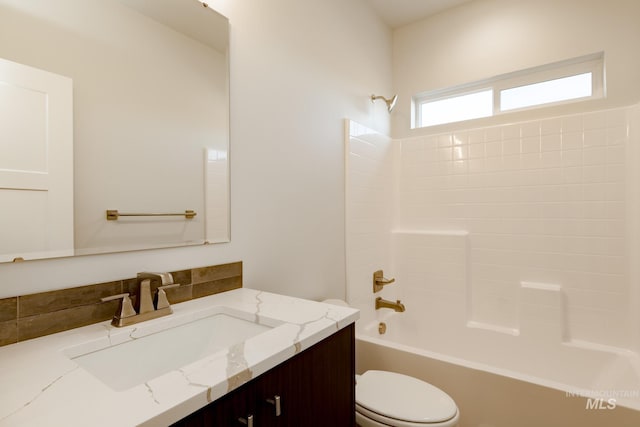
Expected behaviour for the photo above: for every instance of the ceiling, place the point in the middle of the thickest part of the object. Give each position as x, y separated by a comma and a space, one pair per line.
397, 13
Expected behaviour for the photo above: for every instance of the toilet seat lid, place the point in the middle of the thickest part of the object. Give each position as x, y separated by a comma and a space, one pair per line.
403, 398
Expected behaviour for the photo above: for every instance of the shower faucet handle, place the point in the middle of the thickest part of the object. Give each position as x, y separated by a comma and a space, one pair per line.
379, 281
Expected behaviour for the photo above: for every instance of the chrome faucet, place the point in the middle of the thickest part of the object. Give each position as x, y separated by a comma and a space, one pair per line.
148, 305
383, 303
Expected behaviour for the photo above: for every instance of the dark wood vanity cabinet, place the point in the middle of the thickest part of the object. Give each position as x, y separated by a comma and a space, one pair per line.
316, 389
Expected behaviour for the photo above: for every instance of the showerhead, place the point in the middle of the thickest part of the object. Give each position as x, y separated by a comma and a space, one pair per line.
390, 102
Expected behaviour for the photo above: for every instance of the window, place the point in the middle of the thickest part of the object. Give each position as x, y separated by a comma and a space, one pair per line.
551, 91
456, 108
567, 81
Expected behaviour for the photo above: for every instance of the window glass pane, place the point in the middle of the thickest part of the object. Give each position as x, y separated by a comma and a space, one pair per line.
463, 107
563, 89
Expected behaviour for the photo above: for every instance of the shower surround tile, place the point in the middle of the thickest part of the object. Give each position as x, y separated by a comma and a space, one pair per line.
369, 172
545, 201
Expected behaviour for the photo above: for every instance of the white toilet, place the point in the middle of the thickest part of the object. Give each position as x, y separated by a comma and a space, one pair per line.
389, 399
386, 399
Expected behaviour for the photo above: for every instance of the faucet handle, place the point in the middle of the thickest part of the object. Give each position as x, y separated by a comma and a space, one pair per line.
112, 297
125, 309
161, 296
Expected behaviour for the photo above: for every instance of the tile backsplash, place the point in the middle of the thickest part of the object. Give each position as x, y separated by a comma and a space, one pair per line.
31, 316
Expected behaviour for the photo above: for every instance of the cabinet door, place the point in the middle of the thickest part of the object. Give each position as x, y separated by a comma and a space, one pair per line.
225, 411
318, 385
230, 408
316, 389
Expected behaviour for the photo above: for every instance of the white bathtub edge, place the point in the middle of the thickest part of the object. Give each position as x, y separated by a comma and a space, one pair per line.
630, 403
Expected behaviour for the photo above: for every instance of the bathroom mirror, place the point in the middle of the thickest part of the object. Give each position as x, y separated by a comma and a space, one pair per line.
150, 124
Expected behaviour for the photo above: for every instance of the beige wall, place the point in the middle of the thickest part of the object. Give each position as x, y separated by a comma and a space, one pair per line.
486, 38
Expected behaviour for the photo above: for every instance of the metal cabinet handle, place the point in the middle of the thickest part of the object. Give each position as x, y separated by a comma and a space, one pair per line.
246, 421
276, 402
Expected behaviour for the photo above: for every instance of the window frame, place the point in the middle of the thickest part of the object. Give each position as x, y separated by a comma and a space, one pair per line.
593, 63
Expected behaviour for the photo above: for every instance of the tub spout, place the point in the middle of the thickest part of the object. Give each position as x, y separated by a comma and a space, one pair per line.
383, 303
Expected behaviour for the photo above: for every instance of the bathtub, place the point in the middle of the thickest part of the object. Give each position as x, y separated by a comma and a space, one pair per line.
499, 380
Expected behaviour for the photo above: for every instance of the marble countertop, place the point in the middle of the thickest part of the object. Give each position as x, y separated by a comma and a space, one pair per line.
41, 385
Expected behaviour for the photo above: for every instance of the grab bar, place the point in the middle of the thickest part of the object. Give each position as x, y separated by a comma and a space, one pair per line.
113, 214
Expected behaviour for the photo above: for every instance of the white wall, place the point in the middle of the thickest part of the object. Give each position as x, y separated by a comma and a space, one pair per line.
486, 38
298, 68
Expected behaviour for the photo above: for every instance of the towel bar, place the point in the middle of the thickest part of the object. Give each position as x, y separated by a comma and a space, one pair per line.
113, 214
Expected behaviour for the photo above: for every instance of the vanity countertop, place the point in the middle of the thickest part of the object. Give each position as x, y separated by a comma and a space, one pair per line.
41, 385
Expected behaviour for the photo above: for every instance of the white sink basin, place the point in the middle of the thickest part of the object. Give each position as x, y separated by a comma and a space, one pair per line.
135, 362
